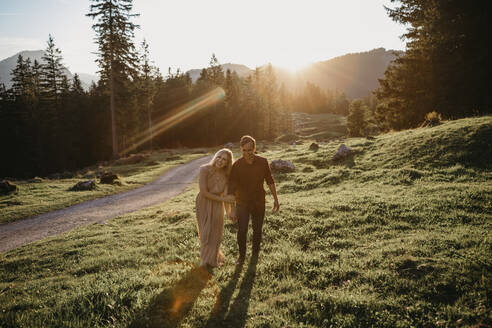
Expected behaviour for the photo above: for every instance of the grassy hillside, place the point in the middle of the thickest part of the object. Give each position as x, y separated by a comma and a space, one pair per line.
398, 235
41, 195
319, 126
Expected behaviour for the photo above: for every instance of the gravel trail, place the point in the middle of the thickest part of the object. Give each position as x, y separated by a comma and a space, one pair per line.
168, 185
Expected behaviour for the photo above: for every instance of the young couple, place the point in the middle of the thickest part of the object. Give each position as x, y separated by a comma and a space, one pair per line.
238, 189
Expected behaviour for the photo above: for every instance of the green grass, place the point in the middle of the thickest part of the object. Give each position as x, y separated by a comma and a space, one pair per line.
319, 126
398, 235
37, 196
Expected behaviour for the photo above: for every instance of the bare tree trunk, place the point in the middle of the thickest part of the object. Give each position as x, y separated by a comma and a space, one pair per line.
113, 118
150, 126
111, 92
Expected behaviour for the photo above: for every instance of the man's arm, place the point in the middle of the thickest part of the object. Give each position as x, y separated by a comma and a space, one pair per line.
271, 185
273, 190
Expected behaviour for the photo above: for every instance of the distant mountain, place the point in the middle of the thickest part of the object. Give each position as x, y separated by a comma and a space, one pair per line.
355, 74
241, 70
87, 79
8, 64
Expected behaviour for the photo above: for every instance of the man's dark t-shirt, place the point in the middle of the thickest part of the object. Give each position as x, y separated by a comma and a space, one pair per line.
246, 181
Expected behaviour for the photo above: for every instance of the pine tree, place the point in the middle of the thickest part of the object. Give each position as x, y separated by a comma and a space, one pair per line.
216, 77
285, 100
232, 105
147, 86
52, 73
36, 78
77, 88
259, 120
22, 78
270, 94
215, 71
117, 56
356, 119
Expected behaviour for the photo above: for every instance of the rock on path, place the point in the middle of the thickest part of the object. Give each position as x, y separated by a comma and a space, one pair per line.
168, 185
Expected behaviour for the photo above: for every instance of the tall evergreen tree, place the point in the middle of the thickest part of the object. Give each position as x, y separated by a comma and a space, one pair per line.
21, 77
147, 86
36, 78
356, 121
52, 74
216, 78
76, 88
270, 94
52, 127
117, 56
215, 71
231, 104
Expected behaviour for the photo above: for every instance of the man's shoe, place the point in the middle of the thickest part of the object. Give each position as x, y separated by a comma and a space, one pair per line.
240, 260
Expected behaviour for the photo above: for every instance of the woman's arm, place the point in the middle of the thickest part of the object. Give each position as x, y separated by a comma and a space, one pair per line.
229, 198
202, 183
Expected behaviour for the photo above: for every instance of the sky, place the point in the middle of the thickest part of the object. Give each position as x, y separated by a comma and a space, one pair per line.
185, 33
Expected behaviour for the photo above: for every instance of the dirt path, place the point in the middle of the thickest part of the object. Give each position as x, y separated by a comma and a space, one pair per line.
168, 185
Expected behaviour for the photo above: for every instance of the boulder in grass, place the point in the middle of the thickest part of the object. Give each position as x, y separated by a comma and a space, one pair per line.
229, 146
282, 166
314, 146
35, 180
84, 185
7, 187
342, 152
108, 178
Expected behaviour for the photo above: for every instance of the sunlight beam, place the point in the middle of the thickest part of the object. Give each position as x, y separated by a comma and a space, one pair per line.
177, 116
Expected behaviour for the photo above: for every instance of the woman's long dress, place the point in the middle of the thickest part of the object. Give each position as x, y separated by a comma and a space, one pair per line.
210, 216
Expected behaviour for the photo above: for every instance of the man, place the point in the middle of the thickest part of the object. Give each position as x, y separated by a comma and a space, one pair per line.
246, 182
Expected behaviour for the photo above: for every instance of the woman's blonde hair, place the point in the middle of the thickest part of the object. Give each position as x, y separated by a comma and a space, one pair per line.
230, 159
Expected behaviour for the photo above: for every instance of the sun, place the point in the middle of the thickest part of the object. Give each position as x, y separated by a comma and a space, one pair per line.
293, 62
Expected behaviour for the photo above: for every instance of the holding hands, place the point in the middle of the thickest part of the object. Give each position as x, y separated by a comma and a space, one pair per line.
228, 198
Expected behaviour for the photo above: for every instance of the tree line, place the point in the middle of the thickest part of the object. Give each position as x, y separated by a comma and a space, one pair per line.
446, 67
51, 124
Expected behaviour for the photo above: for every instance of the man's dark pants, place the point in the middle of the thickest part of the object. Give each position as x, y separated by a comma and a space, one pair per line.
257, 214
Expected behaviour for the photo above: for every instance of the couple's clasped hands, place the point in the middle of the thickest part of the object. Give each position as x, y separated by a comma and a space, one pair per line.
228, 198
231, 212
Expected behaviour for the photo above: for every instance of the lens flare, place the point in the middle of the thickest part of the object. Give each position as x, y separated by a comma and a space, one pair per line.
177, 116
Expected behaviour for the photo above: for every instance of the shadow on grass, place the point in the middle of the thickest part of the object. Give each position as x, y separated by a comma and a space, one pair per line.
169, 307
238, 311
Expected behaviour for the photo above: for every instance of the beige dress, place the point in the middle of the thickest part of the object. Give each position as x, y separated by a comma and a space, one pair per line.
210, 216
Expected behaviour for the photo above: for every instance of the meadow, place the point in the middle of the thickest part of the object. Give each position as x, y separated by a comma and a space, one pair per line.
396, 235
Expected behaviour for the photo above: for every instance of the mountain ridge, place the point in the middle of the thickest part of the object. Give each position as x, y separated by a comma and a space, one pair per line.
9, 63
355, 74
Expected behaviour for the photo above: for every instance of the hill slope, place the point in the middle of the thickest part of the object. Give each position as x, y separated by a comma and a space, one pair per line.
355, 74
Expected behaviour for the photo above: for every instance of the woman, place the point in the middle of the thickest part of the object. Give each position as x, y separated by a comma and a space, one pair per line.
210, 206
